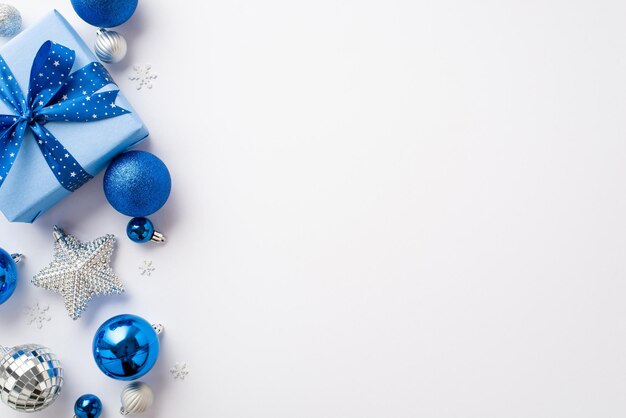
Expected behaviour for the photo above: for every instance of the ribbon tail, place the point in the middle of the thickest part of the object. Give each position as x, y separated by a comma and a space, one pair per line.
69, 173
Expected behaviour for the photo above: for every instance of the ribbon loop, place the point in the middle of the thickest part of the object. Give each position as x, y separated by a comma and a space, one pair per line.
54, 94
86, 81
51, 66
84, 108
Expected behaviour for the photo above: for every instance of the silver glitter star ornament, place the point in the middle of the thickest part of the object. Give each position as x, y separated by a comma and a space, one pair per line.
80, 271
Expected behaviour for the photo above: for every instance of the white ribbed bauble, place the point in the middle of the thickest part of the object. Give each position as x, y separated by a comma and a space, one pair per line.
110, 46
136, 398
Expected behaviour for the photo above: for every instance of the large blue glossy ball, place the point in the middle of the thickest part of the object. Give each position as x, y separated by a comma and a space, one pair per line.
125, 347
8, 276
88, 406
105, 13
137, 183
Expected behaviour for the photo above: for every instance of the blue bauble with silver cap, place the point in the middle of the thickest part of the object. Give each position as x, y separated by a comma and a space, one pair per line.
141, 230
126, 347
88, 406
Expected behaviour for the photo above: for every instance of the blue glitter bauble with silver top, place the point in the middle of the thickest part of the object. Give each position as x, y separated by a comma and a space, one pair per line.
137, 183
8, 276
105, 13
88, 406
126, 347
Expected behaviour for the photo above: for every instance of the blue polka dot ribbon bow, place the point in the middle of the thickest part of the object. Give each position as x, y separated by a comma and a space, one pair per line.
54, 94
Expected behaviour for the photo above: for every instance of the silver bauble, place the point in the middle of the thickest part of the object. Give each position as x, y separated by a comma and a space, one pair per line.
10, 20
110, 46
31, 377
136, 398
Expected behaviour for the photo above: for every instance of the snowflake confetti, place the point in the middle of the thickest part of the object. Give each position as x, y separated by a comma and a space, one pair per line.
179, 371
143, 75
146, 268
37, 315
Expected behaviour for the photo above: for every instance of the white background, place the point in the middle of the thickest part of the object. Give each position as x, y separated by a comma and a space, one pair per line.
380, 209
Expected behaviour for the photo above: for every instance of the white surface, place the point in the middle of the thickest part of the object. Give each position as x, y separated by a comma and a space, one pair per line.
380, 209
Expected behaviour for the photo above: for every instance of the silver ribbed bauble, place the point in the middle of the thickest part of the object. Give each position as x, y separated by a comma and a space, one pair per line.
136, 398
31, 377
110, 46
10, 20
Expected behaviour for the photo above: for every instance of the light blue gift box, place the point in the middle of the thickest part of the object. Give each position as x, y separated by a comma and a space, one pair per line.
31, 188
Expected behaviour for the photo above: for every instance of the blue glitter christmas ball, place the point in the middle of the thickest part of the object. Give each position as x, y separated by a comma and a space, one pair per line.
137, 183
88, 406
105, 13
125, 347
8, 276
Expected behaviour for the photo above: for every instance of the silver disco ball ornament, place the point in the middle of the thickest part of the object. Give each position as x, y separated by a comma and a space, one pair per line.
31, 377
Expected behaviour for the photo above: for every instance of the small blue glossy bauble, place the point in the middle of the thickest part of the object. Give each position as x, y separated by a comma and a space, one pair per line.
125, 347
88, 406
105, 13
140, 230
137, 183
8, 276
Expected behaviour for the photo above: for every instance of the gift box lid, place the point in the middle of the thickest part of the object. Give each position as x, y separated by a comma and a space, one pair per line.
30, 187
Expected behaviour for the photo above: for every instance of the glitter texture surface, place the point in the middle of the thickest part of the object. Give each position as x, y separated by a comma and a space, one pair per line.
10, 20
137, 183
105, 13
